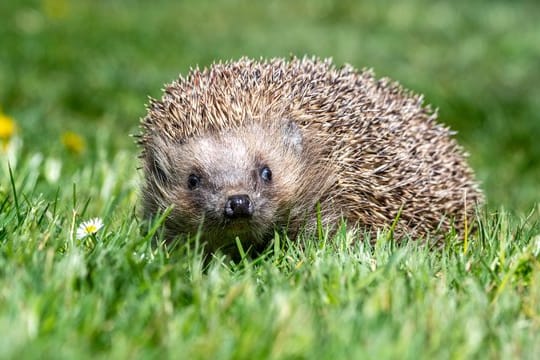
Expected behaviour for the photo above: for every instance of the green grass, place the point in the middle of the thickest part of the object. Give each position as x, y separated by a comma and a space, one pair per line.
87, 67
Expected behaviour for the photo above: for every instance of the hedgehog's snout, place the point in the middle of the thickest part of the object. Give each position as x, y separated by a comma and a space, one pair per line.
238, 206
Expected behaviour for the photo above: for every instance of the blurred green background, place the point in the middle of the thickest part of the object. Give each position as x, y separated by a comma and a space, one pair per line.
87, 67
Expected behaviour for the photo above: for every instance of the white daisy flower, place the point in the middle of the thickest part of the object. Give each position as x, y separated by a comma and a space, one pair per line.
89, 227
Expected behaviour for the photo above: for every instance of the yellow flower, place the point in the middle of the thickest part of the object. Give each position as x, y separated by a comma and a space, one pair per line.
56, 9
73, 142
7, 127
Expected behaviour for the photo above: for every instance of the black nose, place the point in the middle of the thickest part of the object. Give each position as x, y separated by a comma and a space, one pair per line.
238, 206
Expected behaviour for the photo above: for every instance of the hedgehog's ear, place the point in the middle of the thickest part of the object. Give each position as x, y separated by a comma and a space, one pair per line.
292, 136
158, 161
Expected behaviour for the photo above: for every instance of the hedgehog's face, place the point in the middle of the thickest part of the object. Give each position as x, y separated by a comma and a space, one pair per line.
240, 183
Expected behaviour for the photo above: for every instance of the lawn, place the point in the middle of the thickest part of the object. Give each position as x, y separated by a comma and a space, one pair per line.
74, 80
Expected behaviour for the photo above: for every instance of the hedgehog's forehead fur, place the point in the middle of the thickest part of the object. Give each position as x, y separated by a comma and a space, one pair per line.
230, 159
229, 95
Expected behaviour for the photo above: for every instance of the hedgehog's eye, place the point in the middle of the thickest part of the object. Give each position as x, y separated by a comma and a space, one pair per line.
193, 181
266, 174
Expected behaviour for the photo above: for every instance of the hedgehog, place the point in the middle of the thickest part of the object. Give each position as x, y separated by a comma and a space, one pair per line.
242, 149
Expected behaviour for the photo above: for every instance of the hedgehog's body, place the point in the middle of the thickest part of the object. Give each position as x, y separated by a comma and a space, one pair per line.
246, 147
